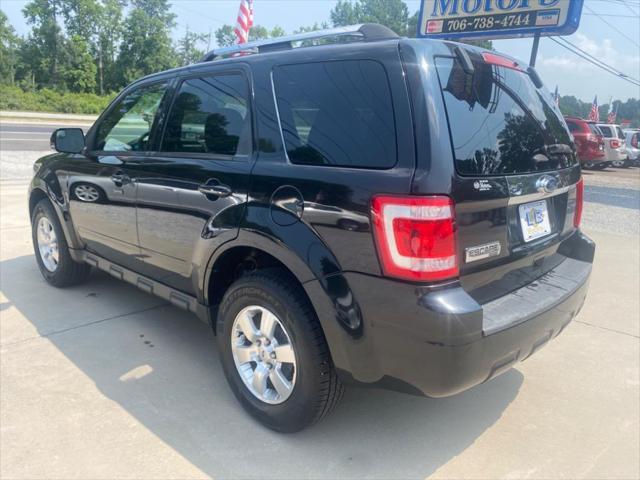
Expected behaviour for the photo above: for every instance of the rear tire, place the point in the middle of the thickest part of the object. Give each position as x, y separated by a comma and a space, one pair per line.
51, 249
315, 388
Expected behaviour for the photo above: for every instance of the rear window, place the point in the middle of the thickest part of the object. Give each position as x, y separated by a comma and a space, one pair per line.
336, 114
620, 133
500, 123
606, 131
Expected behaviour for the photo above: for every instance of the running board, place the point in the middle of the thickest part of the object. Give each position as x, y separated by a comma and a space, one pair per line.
175, 297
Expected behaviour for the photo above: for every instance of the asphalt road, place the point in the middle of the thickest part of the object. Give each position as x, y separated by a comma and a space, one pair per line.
26, 137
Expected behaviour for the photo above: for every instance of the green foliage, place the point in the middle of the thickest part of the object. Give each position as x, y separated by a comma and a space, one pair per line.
9, 46
225, 36
78, 70
146, 40
312, 28
187, 48
391, 13
79, 47
47, 100
628, 110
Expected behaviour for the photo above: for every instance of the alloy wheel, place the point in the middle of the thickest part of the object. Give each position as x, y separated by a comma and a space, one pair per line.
263, 354
48, 244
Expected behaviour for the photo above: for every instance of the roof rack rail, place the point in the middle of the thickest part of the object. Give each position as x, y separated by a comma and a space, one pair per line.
367, 32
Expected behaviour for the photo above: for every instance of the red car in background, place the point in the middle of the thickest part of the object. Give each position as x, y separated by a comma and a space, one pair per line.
589, 142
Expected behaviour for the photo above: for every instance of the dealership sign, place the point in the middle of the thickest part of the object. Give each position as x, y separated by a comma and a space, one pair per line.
498, 18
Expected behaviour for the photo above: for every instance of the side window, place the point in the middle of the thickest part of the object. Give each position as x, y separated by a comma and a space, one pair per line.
572, 126
128, 126
336, 113
210, 115
606, 131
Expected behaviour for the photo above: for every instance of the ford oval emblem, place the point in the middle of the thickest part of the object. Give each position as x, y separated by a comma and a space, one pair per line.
547, 184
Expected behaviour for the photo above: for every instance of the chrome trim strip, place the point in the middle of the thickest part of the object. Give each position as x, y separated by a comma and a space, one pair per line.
532, 197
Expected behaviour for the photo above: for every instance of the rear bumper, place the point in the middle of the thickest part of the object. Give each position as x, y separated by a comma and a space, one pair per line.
441, 342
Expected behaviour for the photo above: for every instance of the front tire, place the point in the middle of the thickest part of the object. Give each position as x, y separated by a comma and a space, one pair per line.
51, 249
274, 353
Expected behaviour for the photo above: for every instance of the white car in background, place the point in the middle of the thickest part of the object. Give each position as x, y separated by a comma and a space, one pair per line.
632, 138
614, 144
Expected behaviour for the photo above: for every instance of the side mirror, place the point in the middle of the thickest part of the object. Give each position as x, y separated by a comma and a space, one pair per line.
68, 140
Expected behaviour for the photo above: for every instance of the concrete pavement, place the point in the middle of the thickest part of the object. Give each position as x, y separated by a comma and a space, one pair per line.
104, 381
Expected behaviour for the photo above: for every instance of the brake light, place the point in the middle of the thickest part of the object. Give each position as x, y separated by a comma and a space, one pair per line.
614, 143
416, 237
634, 141
577, 215
500, 61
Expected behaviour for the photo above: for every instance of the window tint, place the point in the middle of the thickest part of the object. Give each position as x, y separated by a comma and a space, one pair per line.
210, 115
606, 131
500, 123
128, 126
337, 113
572, 126
594, 129
620, 133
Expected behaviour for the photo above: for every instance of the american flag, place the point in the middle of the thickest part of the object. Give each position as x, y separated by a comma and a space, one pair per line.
244, 21
613, 113
594, 114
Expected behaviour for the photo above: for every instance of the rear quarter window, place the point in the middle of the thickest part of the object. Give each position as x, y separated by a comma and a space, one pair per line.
606, 131
499, 122
337, 113
594, 129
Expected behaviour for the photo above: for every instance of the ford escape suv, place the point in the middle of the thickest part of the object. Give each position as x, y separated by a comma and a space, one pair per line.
343, 207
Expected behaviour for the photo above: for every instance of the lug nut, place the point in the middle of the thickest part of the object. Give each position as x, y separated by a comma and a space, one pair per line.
266, 341
273, 355
258, 342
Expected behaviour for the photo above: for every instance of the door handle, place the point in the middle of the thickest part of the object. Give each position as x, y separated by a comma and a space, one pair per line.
121, 178
215, 190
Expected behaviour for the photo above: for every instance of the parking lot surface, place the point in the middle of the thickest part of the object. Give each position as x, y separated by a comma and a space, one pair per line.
105, 381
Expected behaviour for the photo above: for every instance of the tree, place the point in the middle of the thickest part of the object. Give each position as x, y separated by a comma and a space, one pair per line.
9, 47
258, 32
225, 36
391, 13
146, 40
188, 51
99, 23
110, 33
312, 28
44, 47
79, 69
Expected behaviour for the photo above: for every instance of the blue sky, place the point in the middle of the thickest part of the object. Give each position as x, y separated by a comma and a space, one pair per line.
556, 65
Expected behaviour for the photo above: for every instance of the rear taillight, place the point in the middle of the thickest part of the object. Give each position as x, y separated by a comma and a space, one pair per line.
634, 141
416, 237
577, 215
614, 143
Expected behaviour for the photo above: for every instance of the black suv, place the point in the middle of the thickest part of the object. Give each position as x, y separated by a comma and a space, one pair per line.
343, 207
